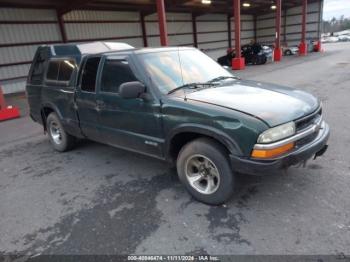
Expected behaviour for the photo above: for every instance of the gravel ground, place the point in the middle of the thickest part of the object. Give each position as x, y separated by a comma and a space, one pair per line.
100, 200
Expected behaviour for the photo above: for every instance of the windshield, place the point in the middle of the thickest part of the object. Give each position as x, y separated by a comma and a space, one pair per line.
172, 69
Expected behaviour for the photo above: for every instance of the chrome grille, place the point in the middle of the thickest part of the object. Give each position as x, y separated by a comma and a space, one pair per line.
309, 120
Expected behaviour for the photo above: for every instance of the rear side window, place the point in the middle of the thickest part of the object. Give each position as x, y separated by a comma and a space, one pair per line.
60, 70
114, 73
88, 81
52, 70
66, 70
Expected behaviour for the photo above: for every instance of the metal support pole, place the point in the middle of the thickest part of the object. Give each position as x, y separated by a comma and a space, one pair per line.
320, 12
285, 26
303, 23
194, 30
143, 28
237, 16
255, 27
238, 62
229, 36
277, 55
303, 44
162, 23
61, 26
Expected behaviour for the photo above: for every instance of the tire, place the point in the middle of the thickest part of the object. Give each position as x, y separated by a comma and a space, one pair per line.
60, 139
207, 161
288, 52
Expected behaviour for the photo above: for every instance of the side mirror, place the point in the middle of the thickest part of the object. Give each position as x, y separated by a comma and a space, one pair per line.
131, 90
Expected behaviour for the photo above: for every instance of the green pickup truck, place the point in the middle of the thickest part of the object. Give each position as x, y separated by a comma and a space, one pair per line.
175, 104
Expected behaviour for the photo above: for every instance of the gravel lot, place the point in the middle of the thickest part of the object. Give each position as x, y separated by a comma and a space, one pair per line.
100, 200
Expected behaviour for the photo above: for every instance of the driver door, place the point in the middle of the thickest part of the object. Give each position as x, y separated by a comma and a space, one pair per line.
134, 124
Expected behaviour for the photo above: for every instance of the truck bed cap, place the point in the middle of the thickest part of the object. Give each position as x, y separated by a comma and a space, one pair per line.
80, 49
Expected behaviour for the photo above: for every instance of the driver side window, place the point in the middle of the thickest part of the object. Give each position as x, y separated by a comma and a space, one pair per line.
114, 73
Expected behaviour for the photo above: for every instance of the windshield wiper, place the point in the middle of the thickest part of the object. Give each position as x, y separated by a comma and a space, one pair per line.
220, 78
190, 85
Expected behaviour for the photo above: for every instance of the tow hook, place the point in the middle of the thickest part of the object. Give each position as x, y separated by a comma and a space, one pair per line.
321, 152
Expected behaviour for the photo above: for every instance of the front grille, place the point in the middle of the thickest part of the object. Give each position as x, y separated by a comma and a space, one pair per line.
309, 120
305, 123
306, 140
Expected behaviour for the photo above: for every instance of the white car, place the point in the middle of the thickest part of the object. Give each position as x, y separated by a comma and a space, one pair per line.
344, 38
293, 50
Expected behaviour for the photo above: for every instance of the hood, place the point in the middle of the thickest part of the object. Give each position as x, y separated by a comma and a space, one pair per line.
271, 103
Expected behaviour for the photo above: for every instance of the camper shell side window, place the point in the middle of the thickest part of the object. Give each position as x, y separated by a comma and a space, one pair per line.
60, 71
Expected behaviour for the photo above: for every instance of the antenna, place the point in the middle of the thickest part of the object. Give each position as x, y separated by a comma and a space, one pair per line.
182, 77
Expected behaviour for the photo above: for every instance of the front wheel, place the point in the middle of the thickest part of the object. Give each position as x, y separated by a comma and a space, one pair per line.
204, 169
59, 138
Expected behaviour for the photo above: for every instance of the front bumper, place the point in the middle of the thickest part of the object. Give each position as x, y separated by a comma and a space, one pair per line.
252, 166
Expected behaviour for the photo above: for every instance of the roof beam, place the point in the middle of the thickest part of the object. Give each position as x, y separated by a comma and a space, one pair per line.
74, 5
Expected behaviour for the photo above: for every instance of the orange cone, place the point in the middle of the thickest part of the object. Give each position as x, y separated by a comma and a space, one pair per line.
7, 112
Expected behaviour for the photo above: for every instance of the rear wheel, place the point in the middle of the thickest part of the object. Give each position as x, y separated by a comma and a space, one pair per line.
60, 140
288, 52
204, 169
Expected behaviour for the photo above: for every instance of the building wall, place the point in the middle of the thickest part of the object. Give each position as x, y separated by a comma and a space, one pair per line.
23, 30
103, 25
291, 25
212, 30
179, 27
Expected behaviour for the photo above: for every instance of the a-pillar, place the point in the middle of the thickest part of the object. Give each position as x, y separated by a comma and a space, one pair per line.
162, 23
277, 52
303, 44
238, 63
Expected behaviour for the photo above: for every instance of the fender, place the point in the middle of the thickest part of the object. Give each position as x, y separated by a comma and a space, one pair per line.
54, 108
73, 130
217, 134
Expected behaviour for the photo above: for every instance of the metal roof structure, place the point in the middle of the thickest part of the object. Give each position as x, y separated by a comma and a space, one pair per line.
149, 6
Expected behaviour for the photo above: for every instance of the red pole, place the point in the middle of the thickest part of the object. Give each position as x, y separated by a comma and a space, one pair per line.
162, 23
303, 44
237, 16
278, 51
238, 62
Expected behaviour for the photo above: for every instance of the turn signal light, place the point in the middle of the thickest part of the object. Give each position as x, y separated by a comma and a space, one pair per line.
270, 153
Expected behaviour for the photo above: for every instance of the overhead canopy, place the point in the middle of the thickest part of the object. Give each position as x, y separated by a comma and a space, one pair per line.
149, 6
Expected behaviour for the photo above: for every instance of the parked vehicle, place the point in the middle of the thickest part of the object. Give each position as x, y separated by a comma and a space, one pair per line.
268, 52
330, 39
344, 38
253, 54
174, 104
293, 50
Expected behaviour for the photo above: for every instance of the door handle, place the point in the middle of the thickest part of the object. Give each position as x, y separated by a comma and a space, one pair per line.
100, 105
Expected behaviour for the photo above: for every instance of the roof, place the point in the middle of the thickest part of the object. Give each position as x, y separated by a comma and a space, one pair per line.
149, 6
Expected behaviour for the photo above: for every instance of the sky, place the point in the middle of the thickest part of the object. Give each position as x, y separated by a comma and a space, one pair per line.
336, 8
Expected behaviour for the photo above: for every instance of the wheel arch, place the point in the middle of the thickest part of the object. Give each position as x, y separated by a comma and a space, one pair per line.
183, 134
47, 109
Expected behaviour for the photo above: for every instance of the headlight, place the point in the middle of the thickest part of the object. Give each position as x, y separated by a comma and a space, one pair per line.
277, 133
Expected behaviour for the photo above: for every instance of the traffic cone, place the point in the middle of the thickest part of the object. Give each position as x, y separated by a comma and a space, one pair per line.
7, 112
